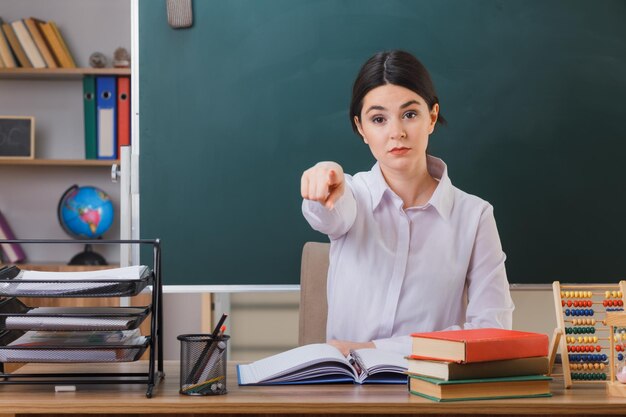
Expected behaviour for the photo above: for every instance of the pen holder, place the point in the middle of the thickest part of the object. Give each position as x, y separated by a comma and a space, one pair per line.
203, 364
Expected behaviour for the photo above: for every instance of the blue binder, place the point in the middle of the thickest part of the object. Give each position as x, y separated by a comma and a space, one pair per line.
106, 118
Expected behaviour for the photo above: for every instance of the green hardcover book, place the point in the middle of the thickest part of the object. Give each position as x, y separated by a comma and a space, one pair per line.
89, 106
480, 389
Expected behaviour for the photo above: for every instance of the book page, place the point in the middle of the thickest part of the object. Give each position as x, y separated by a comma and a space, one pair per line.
382, 366
382, 359
303, 358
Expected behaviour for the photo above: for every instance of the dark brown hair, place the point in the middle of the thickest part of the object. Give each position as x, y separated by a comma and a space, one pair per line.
392, 67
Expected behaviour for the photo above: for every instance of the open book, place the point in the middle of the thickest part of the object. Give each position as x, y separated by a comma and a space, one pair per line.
322, 363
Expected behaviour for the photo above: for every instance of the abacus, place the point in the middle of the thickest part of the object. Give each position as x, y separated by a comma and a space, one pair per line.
617, 319
582, 334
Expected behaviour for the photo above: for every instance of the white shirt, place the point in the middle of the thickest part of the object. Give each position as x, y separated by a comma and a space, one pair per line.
394, 272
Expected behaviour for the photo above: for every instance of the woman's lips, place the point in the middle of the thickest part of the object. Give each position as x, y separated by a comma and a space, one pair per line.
399, 151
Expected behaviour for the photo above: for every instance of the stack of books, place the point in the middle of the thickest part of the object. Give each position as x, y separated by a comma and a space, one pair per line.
33, 43
479, 364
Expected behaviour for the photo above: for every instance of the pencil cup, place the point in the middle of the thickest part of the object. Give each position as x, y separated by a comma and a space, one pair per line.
203, 364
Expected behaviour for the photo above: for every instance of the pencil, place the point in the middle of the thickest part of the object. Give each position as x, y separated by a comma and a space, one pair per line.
200, 360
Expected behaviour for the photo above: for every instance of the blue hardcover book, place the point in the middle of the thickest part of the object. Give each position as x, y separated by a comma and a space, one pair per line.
106, 118
322, 363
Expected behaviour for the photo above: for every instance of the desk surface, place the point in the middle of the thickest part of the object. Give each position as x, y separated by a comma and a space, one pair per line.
303, 399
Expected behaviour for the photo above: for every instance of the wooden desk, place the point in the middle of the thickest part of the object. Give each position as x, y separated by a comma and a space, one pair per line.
286, 400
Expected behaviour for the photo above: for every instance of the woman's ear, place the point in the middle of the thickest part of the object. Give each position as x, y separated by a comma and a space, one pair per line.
357, 123
434, 115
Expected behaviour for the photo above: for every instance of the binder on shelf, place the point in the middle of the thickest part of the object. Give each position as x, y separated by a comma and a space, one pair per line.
15, 45
123, 113
5, 50
28, 44
13, 252
89, 109
106, 132
40, 42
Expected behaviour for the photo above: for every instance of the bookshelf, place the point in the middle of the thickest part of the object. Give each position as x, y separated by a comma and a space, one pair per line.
61, 162
58, 73
54, 97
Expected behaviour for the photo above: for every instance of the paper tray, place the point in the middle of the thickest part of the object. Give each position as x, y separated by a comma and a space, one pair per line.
99, 288
67, 353
15, 315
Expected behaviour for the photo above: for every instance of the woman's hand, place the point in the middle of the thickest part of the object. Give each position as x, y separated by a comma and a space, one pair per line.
323, 183
345, 346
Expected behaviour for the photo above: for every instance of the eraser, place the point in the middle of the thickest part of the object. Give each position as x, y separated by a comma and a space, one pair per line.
65, 388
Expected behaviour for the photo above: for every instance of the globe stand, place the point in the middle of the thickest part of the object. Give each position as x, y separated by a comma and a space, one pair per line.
88, 257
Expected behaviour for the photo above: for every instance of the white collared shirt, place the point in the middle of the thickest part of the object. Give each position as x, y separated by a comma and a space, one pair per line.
394, 272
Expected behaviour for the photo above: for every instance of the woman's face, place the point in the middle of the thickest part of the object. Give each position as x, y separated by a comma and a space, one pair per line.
395, 123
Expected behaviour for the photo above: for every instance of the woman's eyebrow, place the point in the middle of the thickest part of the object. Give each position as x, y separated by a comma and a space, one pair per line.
408, 103
375, 108
404, 106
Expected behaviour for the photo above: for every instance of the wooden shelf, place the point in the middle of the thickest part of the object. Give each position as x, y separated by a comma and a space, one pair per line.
58, 73
61, 162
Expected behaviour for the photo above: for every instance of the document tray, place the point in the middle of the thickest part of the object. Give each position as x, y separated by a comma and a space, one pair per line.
15, 315
67, 353
87, 288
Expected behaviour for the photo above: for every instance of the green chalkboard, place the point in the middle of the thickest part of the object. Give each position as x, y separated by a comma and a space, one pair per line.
233, 110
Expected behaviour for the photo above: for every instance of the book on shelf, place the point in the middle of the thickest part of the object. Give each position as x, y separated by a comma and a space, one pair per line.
478, 345
480, 389
450, 371
16, 47
323, 363
56, 43
1, 62
66, 50
42, 46
12, 252
5, 50
28, 44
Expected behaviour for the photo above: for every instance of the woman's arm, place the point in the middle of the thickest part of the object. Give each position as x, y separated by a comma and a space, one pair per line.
329, 205
489, 302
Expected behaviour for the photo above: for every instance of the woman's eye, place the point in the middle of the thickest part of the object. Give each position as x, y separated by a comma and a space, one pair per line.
410, 115
378, 119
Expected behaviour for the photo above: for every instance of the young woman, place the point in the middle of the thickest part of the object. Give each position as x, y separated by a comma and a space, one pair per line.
409, 251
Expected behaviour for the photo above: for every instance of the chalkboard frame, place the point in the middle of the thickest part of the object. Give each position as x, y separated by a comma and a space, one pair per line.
25, 142
522, 134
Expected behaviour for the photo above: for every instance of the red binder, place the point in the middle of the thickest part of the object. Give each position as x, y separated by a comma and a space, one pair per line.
123, 113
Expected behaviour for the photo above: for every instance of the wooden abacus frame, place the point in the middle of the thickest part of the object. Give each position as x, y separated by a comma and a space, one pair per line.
616, 319
559, 341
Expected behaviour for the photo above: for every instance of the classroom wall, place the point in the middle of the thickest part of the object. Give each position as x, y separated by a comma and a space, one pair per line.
57, 106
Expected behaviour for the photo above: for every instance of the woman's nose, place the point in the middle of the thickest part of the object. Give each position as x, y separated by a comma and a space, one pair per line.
397, 131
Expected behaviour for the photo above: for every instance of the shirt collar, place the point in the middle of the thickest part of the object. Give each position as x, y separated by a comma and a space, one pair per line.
442, 199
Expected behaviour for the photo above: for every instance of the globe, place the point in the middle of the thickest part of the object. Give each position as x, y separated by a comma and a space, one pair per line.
85, 213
